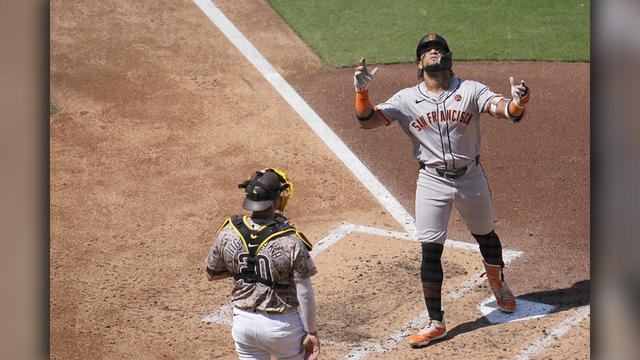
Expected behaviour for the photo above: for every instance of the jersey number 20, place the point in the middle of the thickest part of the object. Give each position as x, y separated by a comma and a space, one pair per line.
263, 267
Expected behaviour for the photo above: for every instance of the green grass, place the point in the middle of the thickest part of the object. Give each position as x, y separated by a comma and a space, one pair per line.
387, 32
52, 109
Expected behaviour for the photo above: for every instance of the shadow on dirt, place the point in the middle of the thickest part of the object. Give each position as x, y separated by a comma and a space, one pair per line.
562, 299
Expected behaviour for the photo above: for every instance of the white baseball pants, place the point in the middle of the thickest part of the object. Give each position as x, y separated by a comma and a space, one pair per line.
259, 335
436, 195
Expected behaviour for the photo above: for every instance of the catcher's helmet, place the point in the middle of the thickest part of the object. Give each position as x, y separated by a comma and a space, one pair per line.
264, 187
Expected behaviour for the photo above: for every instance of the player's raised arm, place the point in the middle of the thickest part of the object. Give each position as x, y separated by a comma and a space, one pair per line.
511, 109
367, 117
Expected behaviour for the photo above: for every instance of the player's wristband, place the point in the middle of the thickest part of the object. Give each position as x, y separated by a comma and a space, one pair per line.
492, 108
365, 118
362, 100
514, 111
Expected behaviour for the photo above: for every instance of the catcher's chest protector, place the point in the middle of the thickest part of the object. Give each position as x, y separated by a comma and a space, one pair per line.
254, 240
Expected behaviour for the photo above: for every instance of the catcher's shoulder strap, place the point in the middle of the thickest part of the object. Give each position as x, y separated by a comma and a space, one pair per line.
263, 234
300, 235
304, 240
223, 225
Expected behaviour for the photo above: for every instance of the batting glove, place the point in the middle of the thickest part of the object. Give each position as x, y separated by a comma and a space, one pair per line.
519, 92
362, 78
520, 96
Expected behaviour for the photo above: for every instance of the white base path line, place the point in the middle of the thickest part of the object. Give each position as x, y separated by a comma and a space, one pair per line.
554, 333
335, 144
507, 255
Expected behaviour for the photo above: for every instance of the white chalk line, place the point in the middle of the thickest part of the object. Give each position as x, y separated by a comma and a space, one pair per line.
553, 334
335, 144
300, 106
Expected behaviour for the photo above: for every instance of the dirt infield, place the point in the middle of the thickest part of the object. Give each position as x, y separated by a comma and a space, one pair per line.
159, 117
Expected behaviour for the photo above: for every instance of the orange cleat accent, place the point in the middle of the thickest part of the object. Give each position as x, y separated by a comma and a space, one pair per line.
434, 331
504, 298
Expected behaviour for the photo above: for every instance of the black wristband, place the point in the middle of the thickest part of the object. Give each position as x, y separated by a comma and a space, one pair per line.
366, 117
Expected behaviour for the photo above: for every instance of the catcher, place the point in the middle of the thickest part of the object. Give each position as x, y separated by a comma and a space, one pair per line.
270, 264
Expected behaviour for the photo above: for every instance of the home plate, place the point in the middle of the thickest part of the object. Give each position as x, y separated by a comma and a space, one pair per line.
223, 315
524, 310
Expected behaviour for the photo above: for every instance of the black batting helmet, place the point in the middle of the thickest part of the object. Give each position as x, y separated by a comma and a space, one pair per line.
429, 39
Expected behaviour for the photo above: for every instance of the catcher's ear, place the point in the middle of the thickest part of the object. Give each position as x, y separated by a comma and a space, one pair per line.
277, 202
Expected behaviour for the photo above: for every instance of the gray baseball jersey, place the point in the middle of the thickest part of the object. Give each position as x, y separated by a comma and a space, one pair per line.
444, 129
283, 260
445, 132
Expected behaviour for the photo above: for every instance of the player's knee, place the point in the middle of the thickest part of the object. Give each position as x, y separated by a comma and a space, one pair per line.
431, 269
432, 251
490, 248
491, 234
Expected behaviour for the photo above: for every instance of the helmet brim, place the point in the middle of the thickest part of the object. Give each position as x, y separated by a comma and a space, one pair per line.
256, 205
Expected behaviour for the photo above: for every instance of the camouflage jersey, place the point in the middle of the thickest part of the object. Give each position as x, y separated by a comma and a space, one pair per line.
282, 260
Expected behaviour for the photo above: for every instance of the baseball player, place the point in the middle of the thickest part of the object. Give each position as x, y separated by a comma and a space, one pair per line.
441, 116
270, 263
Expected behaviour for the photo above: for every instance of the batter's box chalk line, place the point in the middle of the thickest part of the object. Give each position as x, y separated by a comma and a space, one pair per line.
223, 315
551, 335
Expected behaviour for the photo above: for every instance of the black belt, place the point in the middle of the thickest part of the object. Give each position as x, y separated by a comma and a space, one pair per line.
452, 174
